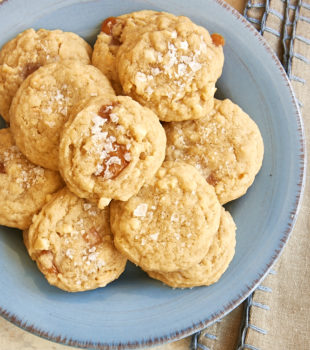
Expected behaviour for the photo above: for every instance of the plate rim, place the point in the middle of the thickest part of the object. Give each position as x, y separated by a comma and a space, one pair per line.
225, 309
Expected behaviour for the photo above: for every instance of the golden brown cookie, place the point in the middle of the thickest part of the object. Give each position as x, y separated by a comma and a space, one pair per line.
23, 185
172, 68
212, 266
30, 50
109, 148
43, 103
169, 225
165, 62
114, 31
71, 242
225, 146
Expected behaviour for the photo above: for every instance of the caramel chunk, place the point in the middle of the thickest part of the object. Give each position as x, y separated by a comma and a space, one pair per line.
115, 163
2, 168
118, 156
217, 39
47, 257
92, 237
212, 180
30, 68
107, 25
106, 110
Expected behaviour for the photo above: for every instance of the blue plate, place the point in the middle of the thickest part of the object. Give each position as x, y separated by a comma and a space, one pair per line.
135, 310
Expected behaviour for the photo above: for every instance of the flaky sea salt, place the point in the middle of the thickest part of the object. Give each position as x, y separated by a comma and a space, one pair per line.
154, 236
143, 77
100, 263
69, 253
155, 71
92, 249
113, 160
181, 69
140, 210
184, 45
114, 117
50, 123
87, 206
174, 34
195, 66
99, 170
93, 256
149, 90
174, 218
120, 128
98, 122
127, 157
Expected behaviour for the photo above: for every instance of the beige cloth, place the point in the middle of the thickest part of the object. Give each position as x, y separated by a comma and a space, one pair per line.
288, 321
280, 317
287, 318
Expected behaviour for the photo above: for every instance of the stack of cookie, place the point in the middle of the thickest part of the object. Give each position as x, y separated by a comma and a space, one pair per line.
148, 156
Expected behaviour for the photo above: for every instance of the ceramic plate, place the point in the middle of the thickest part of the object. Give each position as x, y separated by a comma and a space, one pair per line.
135, 310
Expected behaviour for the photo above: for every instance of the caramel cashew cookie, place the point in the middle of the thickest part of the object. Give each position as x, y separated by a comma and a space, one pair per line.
30, 50
114, 31
23, 186
43, 103
225, 146
171, 68
71, 242
165, 62
212, 266
109, 148
170, 224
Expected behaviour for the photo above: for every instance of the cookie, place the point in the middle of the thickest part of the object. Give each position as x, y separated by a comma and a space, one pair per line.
114, 31
71, 242
31, 49
43, 103
165, 62
225, 146
212, 266
169, 225
23, 185
171, 68
109, 148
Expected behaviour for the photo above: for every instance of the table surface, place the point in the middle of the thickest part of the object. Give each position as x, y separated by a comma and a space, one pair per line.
12, 337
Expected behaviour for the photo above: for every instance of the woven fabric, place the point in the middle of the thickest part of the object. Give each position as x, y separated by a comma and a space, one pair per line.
276, 316
284, 322
278, 313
